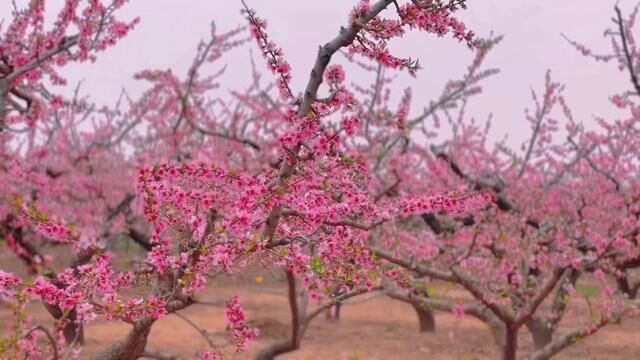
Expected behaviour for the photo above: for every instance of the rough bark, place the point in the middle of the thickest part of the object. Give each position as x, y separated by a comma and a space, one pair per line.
132, 347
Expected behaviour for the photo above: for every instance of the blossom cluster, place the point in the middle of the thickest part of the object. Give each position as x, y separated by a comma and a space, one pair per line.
240, 330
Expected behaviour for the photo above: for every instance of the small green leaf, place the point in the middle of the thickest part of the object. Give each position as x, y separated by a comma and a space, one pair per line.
317, 265
588, 291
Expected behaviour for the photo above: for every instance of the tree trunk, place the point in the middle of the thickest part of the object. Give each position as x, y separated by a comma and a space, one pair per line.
425, 318
510, 347
73, 331
297, 320
541, 332
542, 337
132, 347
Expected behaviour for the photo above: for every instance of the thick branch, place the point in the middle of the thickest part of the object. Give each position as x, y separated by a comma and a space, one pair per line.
500, 311
525, 314
566, 340
132, 347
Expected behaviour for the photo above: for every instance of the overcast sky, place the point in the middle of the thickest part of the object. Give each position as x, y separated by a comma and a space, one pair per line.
170, 29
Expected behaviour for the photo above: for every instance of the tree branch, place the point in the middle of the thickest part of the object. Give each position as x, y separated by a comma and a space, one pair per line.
625, 50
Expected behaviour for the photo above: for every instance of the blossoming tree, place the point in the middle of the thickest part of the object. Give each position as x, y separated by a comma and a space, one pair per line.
293, 195
563, 227
312, 181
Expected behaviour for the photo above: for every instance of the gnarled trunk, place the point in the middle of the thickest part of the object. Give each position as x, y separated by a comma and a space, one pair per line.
132, 347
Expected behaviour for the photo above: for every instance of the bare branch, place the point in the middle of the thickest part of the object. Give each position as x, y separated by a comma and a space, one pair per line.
625, 49
46, 332
202, 332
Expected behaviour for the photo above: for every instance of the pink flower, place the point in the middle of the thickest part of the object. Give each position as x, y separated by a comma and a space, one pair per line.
240, 331
334, 75
211, 355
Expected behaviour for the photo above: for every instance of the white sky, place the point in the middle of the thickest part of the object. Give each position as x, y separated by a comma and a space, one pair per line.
170, 29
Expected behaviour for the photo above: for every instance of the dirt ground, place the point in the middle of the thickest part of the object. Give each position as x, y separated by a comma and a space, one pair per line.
371, 328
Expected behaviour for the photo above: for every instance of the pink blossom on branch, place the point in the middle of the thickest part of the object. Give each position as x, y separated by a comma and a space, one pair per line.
340, 189
241, 332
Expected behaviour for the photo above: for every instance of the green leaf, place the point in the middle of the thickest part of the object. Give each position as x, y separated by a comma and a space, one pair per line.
588, 291
348, 160
373, 276
317, 265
